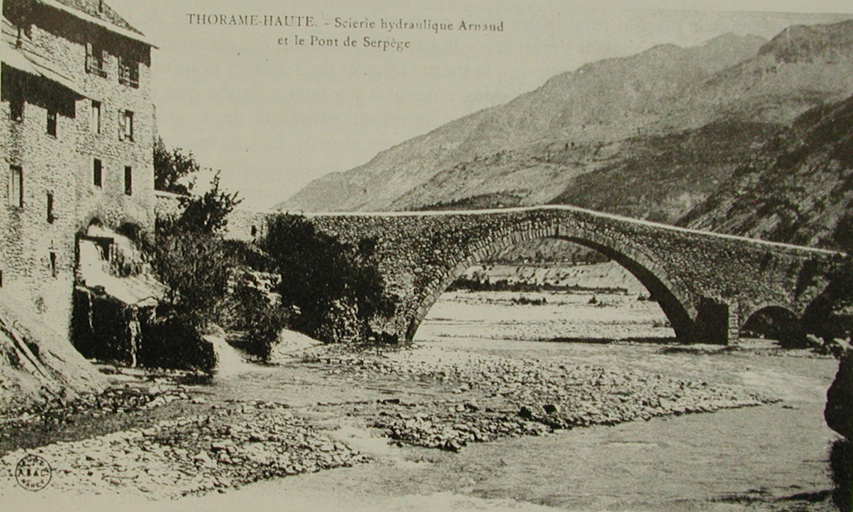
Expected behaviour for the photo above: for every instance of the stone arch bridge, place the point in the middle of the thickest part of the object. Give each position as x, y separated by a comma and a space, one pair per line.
707, 284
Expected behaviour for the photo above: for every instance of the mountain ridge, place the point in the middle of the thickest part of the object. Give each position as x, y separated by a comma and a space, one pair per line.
528, 118
668, 134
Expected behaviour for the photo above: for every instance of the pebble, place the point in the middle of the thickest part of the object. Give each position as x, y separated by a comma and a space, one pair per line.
191, 456
547, 396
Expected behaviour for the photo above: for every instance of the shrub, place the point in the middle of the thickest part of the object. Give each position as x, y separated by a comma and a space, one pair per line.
255, 312
830, 315
172, 168
191, 258
207, 213
194, 268
168, 340
326, 280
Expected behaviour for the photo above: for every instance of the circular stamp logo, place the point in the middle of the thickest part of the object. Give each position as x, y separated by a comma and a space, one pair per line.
33, 473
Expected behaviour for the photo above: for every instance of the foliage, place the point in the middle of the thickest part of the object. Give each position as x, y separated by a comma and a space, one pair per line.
320, 274
171, 168
208, 213
190, 256
193, 267
197, 264
830, 315
255, 313
169, 341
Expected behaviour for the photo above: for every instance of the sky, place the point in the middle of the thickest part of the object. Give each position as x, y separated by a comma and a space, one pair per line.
273, 115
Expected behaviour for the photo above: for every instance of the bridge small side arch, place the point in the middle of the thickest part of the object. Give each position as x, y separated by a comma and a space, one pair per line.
665, 293
777, 322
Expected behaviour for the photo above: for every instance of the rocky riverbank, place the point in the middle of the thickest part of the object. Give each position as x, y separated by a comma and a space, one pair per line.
160, 439
231, 445
497, 397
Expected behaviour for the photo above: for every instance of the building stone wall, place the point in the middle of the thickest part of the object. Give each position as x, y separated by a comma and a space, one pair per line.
39, 257
28, 273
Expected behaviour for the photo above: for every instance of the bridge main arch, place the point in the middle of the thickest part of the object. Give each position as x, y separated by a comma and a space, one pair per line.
655, 280
704, 282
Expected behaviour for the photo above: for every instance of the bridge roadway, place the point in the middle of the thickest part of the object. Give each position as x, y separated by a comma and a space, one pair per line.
707, 284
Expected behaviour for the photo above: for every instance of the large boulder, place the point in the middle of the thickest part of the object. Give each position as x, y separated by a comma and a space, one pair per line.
839, 398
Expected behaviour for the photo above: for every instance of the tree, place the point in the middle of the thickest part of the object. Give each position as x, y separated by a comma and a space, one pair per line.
171, 168
192, 266
190, 256
208, 213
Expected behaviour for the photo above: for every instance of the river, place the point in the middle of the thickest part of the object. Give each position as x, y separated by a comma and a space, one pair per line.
728, 460
755, 458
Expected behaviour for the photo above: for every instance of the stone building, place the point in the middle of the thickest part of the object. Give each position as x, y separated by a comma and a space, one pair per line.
78, 126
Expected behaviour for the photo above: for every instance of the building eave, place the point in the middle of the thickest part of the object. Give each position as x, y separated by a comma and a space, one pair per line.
16, 59
99, 22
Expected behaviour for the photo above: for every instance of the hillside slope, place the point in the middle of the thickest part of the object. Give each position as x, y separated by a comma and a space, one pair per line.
659, 177
650, 136
798, 190
600, 102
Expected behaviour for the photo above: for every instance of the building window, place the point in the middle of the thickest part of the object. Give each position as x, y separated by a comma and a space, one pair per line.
16, 186
53, 264
51, 121
96, 117
97, 173
50, 216
128, 180
128, 72
95, 60
125, 123
16, 109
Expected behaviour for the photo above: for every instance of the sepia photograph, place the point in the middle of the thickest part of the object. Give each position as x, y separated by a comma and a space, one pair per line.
424, 256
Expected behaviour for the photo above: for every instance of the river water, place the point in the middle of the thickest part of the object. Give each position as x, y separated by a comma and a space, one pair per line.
742, 459
680, 463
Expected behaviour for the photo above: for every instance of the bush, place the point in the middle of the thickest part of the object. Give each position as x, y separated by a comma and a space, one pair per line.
207, 213
172, 168
169, 341
830, 315
251, 309
194, 268
336, 288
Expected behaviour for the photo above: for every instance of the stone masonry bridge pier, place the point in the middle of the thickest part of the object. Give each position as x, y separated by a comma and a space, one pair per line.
707, 284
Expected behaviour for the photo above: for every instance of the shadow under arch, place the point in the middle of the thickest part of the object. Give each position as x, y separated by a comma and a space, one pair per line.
777, 323
662, 292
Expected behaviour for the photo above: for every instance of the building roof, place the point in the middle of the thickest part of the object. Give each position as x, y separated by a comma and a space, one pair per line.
91, 11
100, 10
